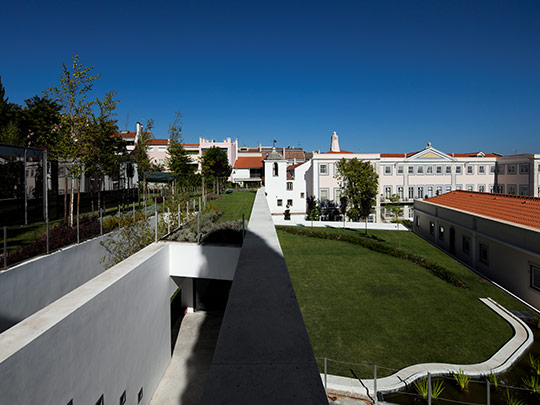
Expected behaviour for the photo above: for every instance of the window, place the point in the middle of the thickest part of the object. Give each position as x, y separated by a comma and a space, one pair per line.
535, 276
400, 170
387, 169
431, 228
420, 170
441, 232
150, 148
420, 192
512, 189
289, 186
470, 187
411, 193
388, 191
483, 253
523, 189
430, 191
337, 194
524, 168
275, 169
323, 192
458, 169
448, 169
511, 169
400, 192
466, 244
481, 169
439, 169
500, 188
289, 203
438, 190
492, 169
410, 169
448, 189
302, 195
500, 169
470, 170
323, 169
459, 186
162, 148
280, 203
429, 170
482, 188
491, 188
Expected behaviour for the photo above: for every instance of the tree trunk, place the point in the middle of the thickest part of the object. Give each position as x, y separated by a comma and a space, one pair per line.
71, 202
366, 225
92, 193
78, 197
65, 197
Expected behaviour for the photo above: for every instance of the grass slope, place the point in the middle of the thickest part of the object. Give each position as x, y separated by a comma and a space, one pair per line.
361, 306
233, 205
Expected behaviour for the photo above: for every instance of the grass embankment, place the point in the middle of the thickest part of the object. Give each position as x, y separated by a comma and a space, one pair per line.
363, 306
233, 205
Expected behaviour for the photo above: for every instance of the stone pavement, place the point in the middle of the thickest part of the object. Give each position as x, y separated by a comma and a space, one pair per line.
498, 363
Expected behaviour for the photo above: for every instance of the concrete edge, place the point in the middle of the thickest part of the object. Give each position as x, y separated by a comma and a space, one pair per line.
501, 361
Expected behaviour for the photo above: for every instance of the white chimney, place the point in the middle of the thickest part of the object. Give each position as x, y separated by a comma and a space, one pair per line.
138, 134
334, 146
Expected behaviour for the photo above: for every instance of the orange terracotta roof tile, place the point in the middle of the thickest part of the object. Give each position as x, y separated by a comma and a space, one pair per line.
248, 162
520, 210
158, 142
475, 154
341, 151
191, 144
126, 135
398, 154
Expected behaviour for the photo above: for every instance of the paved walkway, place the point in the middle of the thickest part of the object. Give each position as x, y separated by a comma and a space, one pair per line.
184, 379
498, 363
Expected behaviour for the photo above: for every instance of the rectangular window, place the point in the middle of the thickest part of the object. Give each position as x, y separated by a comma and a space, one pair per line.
411, 193
289, 203
400, 170
337, 194
491, 188
429, 170
279, 203
524, 168
289, 186
387, 169
535, 276
482, 188
430, 191
459, 186
323, 169
470, 187
523, 189
512, 189
458, 169
484, 253
438, 190
500, 168
150, 148
441, 232
410, 169
302, 195
466, 244
162, 148
323, 192
492, 169
511, 169
470, 169
448, 169
481, 169
432, 228
448, 189
500, 188
439, 169
420, 192
420, 170
400, 192
388, 191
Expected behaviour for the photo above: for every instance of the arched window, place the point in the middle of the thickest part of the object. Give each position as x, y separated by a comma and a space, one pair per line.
275, 169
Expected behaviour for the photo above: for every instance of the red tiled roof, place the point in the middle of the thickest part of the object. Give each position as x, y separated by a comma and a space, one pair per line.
126, 135
292, 167
341, 151
475, 154
398, 154
511, 208
191, 144
248, 162
158, 142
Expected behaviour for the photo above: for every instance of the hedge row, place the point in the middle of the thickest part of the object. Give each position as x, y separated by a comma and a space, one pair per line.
381, 247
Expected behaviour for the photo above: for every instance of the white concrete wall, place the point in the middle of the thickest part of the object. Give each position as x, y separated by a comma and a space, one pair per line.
32, 285
111, 334
200, 261
296, 221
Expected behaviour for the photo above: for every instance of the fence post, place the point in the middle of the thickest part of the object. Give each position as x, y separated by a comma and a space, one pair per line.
429, 388
156, 215
47, 223
5, 247
77, 228
488, 393
325, 377
375, 383
100, 221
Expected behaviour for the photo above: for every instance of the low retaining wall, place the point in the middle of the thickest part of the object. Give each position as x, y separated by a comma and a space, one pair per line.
278, 220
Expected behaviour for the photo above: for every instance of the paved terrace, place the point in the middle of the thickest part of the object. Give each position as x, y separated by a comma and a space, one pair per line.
263, 354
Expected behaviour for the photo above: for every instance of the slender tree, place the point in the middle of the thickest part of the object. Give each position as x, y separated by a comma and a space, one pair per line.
215, 164
359, 184
178, 160
396, 210
343, 202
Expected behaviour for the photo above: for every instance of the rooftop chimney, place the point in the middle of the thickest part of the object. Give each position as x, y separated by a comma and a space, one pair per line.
334, 147
138, 134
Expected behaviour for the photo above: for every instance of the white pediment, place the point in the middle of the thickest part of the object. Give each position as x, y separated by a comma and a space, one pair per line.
430, 154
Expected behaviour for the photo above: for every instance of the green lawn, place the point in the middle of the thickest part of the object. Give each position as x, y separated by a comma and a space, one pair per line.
233, 205
361, 306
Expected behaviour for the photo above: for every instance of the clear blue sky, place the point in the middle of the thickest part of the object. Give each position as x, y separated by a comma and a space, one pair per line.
388, 76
